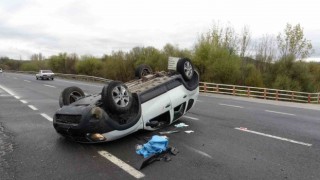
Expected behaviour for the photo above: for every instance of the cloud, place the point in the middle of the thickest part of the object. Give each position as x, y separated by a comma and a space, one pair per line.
99, 27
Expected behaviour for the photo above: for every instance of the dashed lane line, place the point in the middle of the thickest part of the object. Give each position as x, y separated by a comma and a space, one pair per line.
46, 116
126, 167
49, 86
283, 113
7, 90
17, 97
193, 118
199, 152
272, 136
230, 105
24, 102
32, 107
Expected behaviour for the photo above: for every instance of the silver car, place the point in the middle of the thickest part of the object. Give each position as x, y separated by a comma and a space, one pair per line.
45, 74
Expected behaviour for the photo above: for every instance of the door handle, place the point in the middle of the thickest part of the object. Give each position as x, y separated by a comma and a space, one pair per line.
168, 105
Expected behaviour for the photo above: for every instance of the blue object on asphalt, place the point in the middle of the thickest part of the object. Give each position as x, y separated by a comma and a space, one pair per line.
157, 144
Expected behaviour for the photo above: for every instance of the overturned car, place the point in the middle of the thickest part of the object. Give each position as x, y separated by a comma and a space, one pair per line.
151, 101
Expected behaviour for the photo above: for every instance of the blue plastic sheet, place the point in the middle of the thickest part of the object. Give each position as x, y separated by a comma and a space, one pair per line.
157, 144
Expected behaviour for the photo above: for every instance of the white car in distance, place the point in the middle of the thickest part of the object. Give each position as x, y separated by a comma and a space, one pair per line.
45, 74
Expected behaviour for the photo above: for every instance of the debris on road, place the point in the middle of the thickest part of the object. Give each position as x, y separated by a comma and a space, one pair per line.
163, 156
180, 125
168, 132
189, 131
157, 144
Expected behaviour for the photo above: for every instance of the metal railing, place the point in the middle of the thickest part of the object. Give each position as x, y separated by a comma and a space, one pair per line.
246, 91
262, 93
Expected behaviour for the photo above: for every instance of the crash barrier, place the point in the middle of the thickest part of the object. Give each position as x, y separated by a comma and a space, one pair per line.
68, 76
246, 91
262, 93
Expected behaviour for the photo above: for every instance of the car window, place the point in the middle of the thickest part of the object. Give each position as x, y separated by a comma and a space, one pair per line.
46, 71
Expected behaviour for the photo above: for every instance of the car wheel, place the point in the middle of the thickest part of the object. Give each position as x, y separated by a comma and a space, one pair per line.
185, 68
142, 70
116, 97
70, 95
37, 78
52, 79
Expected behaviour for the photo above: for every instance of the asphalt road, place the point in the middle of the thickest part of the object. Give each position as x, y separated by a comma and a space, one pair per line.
234, 138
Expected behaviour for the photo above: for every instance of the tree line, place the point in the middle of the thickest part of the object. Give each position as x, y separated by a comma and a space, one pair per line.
220, 55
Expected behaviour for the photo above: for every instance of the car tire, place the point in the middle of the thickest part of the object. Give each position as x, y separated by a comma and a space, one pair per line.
116, 97
143, 70
70, 95
185, 68
52, 79
37, 78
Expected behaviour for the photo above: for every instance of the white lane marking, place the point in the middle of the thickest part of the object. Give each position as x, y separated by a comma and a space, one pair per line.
272, 136
196, 119
126, 167
199, 152
26, 81
46, 116
276, 112
230, 105
7, 90
24, 102
17, 97
32, 107
49, 86
80, 83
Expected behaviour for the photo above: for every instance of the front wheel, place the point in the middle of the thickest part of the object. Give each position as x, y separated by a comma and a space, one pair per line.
70, 95
116, 97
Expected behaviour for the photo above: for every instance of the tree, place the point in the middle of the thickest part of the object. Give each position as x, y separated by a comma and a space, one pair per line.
244, 41
293, 42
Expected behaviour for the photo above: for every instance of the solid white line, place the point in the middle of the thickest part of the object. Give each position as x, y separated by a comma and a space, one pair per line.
7, 90
275, 137
17, 97
46, 116
26, 81
199, 152
126, 167
191, 118
49, 86
24, 102
32, 107
280, 113
230, 105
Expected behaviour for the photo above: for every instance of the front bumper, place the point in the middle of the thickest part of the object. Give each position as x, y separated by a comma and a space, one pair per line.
78, 123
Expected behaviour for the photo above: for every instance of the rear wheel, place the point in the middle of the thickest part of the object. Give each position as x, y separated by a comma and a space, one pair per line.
185, 68
116, 97
143, 70
70, 95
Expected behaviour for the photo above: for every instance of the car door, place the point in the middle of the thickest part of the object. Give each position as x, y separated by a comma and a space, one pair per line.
178, 97
156, 107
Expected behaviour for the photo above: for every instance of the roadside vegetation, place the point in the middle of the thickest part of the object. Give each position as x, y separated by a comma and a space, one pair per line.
221, 55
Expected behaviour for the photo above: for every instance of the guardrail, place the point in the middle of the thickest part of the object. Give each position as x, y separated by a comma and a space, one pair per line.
247, 91
262, 93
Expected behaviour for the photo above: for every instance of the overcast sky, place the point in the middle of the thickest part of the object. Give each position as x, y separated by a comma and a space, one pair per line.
97, 27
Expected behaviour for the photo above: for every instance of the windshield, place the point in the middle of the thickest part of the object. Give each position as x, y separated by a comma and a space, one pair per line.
46, 71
